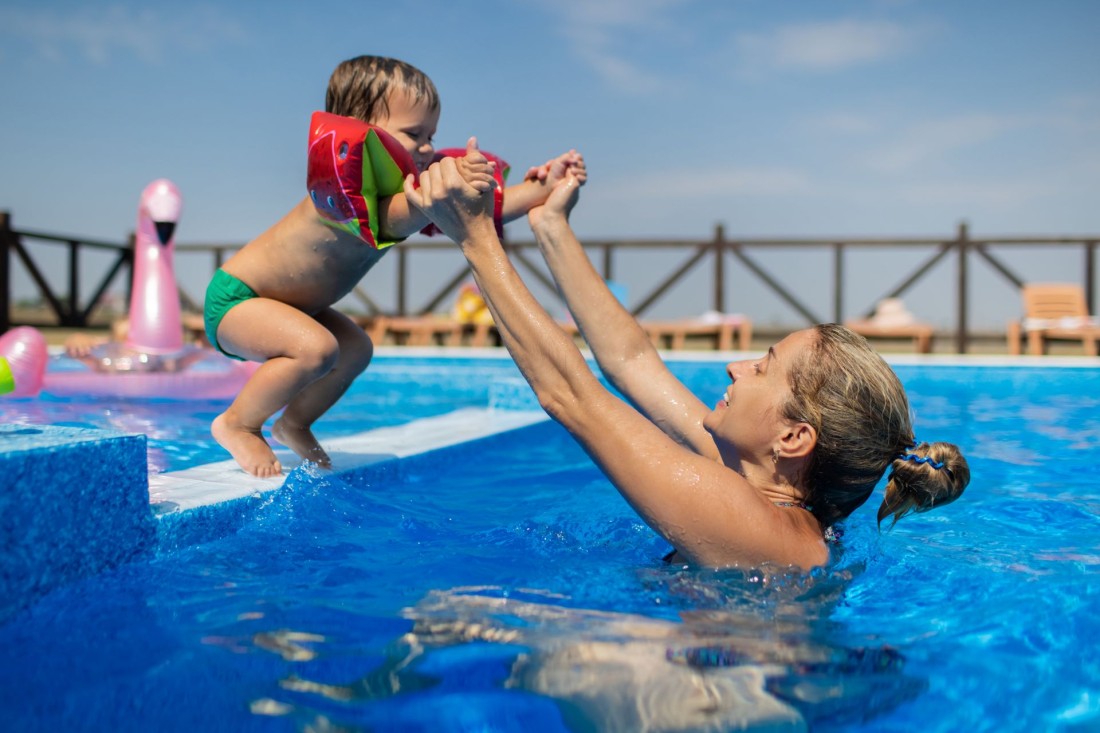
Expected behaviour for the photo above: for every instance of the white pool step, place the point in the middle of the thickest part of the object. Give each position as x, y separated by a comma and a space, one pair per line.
225, 480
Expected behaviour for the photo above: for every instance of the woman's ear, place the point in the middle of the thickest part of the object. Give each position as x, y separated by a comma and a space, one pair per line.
798, 441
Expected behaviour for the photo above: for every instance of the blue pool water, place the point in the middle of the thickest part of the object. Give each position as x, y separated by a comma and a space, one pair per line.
504, 586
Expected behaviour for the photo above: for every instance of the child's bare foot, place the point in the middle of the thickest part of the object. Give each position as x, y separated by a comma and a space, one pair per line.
248, 448
301, 441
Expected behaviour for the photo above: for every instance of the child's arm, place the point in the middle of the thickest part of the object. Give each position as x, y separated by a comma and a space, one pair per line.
398, 219
539, 181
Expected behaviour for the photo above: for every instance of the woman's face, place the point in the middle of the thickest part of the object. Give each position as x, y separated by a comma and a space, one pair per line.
748, 419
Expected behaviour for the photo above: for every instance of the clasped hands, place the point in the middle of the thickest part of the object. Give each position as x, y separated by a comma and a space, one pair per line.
456, 193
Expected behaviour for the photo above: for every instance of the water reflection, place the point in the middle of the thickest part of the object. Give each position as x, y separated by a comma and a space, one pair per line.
721, 668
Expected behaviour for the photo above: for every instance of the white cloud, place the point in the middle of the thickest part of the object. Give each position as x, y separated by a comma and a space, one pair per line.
932, 140
824, 47
95, 34
605, 35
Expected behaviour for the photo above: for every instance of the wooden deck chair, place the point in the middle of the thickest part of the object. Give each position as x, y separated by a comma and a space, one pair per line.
1054, 312
719, 332
413, 330
674, 335
892, 321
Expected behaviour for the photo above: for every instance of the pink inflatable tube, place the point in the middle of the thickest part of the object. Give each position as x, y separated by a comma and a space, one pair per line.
153, 362
212, 377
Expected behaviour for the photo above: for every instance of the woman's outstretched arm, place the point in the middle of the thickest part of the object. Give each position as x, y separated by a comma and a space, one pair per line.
707, 511
621, 347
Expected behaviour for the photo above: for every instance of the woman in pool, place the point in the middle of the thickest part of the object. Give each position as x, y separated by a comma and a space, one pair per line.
797, 442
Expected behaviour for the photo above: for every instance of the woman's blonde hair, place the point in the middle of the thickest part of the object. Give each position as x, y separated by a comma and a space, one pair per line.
857, 405
361, 87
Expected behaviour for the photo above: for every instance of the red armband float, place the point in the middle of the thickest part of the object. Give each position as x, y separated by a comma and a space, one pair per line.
500, 173
352, 165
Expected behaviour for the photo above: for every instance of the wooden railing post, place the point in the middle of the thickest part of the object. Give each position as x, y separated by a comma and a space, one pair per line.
402, 280
719, 273
962, 241
1090, 275
131, 241
6, 236
72, 316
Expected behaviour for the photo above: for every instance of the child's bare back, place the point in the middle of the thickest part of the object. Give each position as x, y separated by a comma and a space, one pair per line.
302, 262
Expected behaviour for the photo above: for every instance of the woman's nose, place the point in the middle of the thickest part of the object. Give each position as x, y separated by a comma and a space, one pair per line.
735, 368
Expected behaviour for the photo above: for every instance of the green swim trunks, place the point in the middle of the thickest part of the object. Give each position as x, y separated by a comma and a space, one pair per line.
223, 292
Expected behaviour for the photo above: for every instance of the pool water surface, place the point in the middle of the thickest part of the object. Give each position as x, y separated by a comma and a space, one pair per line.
504, 585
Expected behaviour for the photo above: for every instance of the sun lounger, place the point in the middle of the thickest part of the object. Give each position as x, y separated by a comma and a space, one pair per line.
1054, 312
921, 333
718, 333
413, 330
892, 321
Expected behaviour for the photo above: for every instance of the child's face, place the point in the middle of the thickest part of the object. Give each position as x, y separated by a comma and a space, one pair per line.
413, 124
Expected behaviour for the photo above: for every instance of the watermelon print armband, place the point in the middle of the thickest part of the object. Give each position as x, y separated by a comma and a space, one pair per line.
500, 174
352, 165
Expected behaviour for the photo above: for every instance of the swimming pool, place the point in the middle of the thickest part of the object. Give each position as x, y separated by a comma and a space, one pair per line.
504, 585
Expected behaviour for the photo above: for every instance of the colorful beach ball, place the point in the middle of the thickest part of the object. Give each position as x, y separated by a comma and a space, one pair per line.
23, 356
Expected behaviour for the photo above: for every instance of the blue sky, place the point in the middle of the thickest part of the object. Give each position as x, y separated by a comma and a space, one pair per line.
857, 117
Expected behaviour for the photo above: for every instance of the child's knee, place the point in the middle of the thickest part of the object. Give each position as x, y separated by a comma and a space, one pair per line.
318, 355
362, 351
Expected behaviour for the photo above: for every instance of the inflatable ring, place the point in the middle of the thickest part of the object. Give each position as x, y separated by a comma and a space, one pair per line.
210, 376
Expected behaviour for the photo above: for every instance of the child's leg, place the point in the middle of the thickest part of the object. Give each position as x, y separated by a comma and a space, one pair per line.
295, 350
293, 427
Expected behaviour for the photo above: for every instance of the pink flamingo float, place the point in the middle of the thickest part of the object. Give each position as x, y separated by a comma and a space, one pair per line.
153, 361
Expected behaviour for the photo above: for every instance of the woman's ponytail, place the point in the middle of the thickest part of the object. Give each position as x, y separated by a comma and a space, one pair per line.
926, 477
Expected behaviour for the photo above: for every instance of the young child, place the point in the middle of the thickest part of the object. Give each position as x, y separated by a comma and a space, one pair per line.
272, 302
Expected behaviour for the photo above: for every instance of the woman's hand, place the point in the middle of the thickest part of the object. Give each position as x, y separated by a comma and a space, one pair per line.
456, 196
558, 206
554, 170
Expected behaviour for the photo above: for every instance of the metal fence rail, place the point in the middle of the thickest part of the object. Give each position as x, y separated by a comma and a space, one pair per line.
717, 254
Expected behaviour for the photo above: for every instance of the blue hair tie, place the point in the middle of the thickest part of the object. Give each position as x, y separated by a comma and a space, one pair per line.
938, 465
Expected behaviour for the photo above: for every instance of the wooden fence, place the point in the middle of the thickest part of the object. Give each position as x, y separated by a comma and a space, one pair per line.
718, 253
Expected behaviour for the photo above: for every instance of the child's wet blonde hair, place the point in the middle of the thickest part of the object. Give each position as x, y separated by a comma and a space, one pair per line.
361, 87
